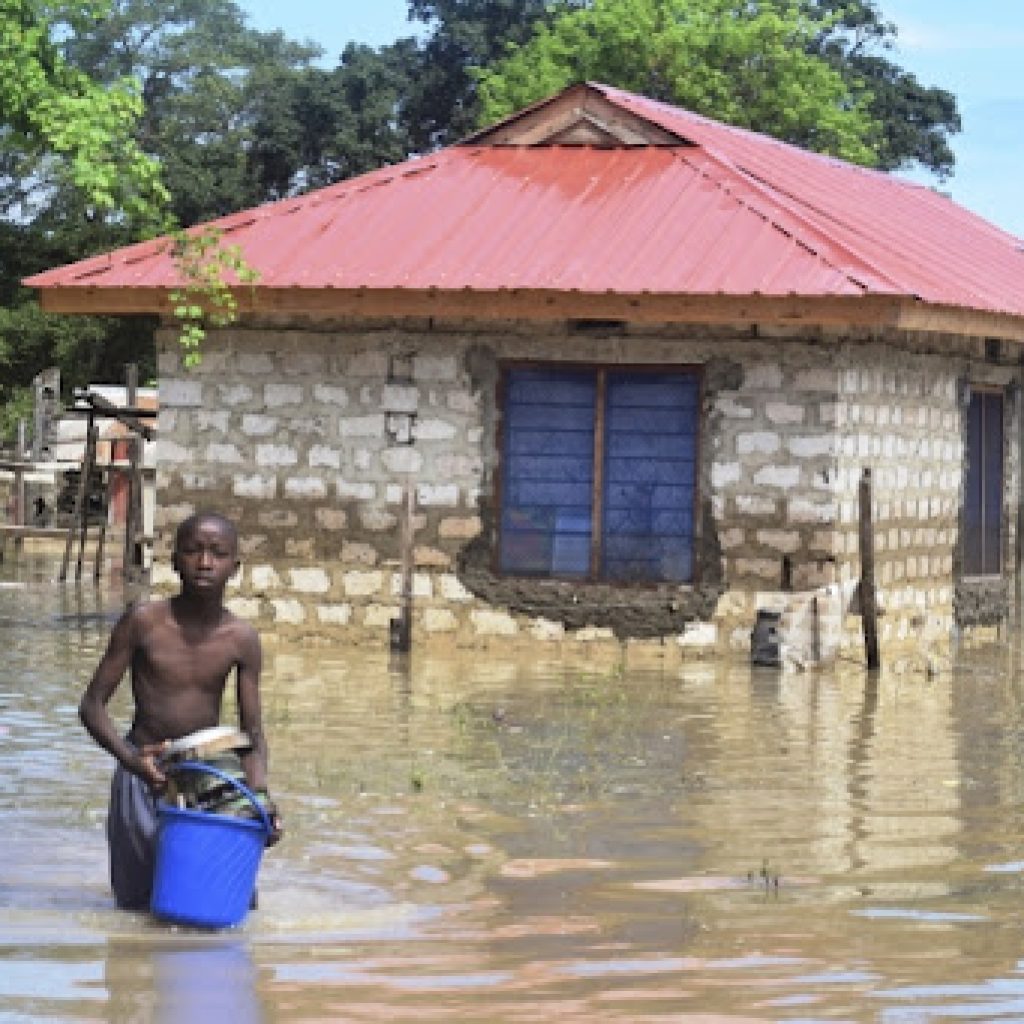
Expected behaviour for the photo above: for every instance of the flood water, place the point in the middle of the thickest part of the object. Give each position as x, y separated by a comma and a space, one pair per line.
489, 839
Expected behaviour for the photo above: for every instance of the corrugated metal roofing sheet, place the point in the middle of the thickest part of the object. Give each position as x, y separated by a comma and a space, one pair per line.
731, 213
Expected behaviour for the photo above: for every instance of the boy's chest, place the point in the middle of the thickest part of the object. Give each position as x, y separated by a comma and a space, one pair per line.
174, 656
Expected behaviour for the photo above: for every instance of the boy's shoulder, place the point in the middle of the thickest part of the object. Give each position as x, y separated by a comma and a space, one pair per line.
242, 627
148, 610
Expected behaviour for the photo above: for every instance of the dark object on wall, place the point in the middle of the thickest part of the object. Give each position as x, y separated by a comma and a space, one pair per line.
765, 647
400, 633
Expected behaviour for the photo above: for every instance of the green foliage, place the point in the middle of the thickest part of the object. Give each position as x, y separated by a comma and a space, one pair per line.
85, 348
747, 64
66, 127
205, 79
209, 269
315, 127
442, 104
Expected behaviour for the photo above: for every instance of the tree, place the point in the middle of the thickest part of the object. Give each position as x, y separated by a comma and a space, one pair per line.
195, 74
916, 119
61, 126
203, 76
315, 127
442, 105
751, 65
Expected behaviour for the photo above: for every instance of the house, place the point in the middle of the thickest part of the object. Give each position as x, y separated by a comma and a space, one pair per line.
631, 364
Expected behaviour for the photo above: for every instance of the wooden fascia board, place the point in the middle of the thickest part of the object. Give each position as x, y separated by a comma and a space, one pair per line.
880, 311
919, 316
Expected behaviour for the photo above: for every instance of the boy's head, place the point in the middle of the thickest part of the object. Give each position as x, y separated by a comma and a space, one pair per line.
205, 550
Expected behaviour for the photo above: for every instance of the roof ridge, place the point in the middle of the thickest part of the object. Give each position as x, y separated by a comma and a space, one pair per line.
782, 199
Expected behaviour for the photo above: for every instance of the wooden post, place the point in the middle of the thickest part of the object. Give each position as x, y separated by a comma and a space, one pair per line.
88, 461
401, 628
868, 601
133, 501
19, 478
102, 538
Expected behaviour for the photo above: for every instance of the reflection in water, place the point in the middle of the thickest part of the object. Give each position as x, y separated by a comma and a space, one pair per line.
202, 982
483, 837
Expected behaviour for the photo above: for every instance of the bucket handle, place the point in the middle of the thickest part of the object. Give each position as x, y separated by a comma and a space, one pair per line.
198, 766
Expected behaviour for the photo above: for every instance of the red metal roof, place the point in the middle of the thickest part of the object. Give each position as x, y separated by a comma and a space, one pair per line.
724, 212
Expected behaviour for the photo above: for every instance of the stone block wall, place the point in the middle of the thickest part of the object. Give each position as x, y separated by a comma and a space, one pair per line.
297, 433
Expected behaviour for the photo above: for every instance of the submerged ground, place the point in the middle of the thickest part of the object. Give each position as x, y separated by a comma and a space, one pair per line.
499, 839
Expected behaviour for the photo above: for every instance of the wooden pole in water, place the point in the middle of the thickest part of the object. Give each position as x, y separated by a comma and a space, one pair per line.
401, 628
868, 600
19, 478
88, 461
407, 563
134, 491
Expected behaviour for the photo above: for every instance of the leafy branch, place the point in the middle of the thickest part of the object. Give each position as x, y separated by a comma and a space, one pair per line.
208, 268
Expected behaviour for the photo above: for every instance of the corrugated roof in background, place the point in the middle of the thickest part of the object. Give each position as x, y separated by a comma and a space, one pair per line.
734, 213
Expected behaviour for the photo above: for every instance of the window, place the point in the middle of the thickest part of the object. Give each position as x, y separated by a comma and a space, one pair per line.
599, 473
983, 485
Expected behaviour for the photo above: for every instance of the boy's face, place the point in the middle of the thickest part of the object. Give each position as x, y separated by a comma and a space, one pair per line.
206, 556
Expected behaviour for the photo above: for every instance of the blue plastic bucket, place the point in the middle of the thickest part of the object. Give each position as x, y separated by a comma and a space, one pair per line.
206, 864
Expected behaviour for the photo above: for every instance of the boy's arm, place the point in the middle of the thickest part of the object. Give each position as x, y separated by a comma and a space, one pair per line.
250, 714
93, 707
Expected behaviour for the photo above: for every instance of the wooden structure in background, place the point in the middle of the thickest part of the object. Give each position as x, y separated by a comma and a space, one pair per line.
96, 407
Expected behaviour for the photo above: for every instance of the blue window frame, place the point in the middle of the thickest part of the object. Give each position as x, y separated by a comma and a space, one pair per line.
983, 485
599, 470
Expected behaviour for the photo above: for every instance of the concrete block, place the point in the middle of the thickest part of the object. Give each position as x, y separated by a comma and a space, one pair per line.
309, 580
271, 455
223, 453
256, 364
334, 614
277, 519
783, 477
379, 616
329, 394
490, 622
233, 394
547, 631
258, 425
323, 456
362, 584
782, 413
305, 487
180, 393
433, 430
277, 395
362, 426
760, 442
439, 620
452, 589
288, 611
459, 527
254, 485
264, 578
331, 518
401, 460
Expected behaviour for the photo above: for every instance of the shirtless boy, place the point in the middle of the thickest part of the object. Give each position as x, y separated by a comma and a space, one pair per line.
180, 653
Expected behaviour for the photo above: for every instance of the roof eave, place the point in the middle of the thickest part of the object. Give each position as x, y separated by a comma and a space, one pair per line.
867, 311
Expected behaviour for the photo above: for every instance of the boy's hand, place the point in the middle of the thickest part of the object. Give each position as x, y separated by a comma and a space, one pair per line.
276, 828
148, 767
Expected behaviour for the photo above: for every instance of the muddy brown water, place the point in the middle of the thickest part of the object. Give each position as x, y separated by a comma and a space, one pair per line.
484, 838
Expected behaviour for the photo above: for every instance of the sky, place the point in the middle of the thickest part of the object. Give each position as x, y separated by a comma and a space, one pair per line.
971, 48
